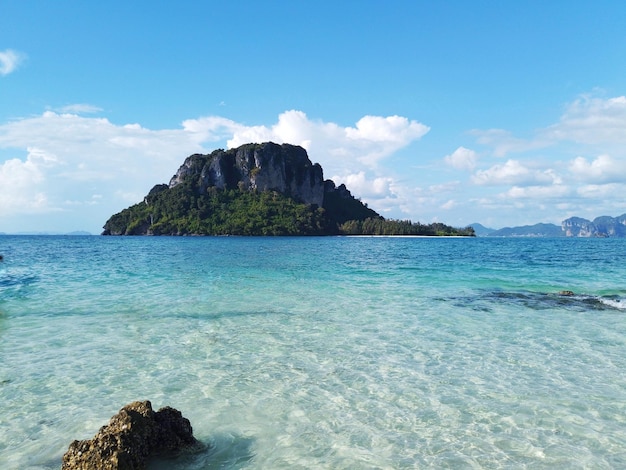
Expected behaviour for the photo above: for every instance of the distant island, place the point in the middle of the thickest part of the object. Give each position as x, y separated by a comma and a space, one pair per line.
258, 189
600, 227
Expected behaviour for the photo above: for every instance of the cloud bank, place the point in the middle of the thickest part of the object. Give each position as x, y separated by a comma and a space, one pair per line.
88, 167
576, 166
71, 165
372, 139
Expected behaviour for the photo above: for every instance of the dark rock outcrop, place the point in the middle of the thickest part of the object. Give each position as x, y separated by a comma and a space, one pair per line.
339, 202
132, 436
261, 167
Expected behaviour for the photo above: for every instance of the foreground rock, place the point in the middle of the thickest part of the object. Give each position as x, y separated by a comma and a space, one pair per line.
133, 435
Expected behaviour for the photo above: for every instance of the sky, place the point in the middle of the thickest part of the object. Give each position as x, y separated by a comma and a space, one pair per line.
453, 111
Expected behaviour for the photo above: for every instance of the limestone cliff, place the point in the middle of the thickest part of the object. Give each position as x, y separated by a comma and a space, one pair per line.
603, 226
261, 167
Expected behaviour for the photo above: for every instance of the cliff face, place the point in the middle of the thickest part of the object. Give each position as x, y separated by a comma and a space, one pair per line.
603, 226
578, 227
262, 167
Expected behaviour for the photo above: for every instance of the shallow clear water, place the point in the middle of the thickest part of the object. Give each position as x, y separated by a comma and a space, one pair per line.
320, 352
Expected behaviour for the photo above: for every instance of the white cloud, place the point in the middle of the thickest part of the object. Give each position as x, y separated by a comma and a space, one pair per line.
509, 173
559, 178
361, 186
375, 137
80, 108
21, 183
95, 143
9, 61
538, 192
447, 187
515, 173
588, 120
71, 157
371, 140
461, 159
602, 191
292, 127
503, 142
603, 169
396, 129
592, 120
450, 204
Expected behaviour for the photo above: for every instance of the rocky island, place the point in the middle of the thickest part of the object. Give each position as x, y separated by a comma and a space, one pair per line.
257, 189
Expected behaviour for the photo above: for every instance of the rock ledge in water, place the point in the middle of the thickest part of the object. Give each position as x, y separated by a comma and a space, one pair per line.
567, 293
132, 436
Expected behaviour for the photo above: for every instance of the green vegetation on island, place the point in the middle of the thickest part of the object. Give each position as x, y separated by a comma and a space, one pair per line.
181, 211
258, 189
380, 226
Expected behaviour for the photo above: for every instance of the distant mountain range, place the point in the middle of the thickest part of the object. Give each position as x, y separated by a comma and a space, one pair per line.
604, 227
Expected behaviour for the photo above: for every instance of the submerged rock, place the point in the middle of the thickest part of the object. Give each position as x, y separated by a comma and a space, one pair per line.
132, 436
567, 293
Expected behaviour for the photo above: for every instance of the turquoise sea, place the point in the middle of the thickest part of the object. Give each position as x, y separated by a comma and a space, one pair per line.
320, 353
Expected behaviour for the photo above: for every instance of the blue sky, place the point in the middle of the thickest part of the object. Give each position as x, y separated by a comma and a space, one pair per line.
503, 113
